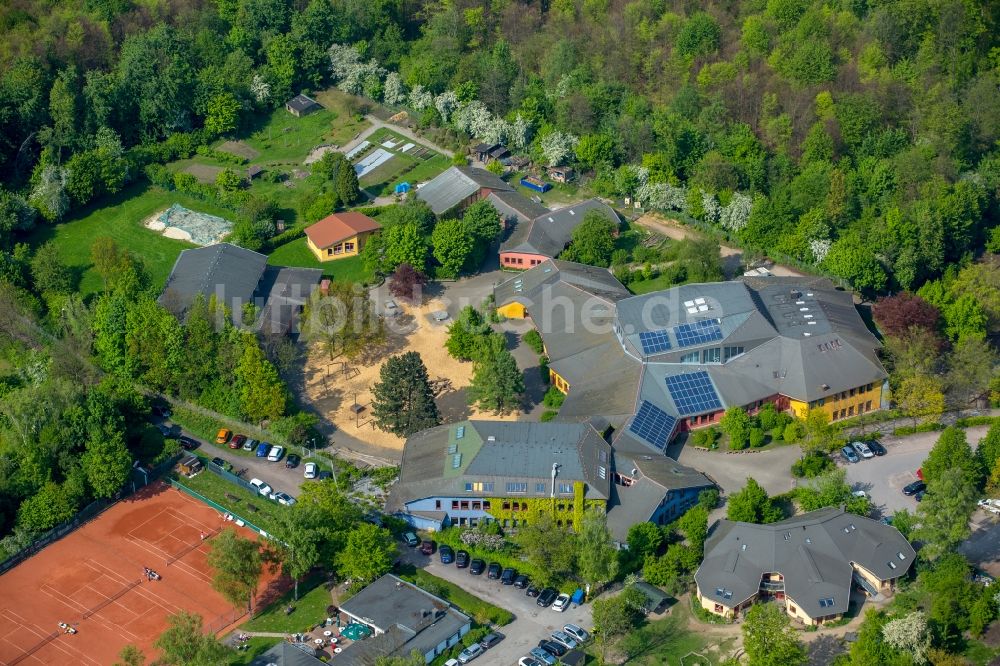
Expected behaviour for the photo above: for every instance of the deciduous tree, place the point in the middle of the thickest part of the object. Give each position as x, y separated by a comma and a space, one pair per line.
769, 640
406, 282
497, 382
237, 565
596, 557
369, 553
185, 643
752, 505
920, 397
945, 511
550, 549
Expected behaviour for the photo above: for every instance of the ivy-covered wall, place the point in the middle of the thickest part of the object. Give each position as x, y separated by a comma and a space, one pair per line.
569, 510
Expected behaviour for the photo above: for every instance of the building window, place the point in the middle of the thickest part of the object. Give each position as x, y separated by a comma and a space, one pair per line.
540, 488
852, 393
437, 504
718, 609
454, 505
691, 357
517, 487
468, 487
479, 487
329, 251
486, 505
821, 402
850, 410
732, 352
348, 247
711, 355
566, 488
476, 506
520, 260
506, 506
465, 505
843, 413
868, 406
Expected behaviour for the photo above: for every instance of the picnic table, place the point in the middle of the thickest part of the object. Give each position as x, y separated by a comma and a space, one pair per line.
232, 497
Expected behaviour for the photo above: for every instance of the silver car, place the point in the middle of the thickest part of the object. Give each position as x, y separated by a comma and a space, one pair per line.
579, 634
565, 639
470, 653
863, 450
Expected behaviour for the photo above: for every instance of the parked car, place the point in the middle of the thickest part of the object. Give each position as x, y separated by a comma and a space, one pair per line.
914, 488
462, 559
309, 471
886, 520
250, 444
849, 454
491, 639
565, 639
532, 591
529, 661
561, 603
508, 576
324, 475
477, 566
522, 581
276, 453
553, 648
470, 653
237, 441
542, 656
411, 539
546, 597
451, 662
991, 505
223, 436
263, 449
877, 448
493, 571
863, 450
427, 547
578, 633
160, 409
188, 444
292, 461
919, 495
169, 431
261, 487
219, 462
446, 554
283, 498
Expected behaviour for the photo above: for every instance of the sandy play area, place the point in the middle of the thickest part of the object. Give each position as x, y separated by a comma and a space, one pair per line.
332, 386
182, 224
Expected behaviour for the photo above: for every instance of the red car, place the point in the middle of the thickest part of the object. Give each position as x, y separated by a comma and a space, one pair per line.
237, 441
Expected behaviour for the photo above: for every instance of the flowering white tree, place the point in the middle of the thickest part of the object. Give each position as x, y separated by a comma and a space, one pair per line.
49, 194
343, 60
393, 92
420, 98
520, 133
820, 247
362, 77
909, 634
260, 89
711, 207
662, 196
446, 103
734, 216
564, 86
557, 146
498, 131
472, 118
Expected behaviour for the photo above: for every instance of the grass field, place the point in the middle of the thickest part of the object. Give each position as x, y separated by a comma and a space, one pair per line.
666, 641
256, 646
309, 610
268, 513
403, 167
296, 253
283, 138
122, 219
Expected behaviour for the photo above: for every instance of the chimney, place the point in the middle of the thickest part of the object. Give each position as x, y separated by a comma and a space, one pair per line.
555, 470
324, 287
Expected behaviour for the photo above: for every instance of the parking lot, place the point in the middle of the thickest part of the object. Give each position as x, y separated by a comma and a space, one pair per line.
531, 622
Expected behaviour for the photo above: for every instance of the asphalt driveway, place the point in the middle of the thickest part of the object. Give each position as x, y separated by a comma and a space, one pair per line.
531, 622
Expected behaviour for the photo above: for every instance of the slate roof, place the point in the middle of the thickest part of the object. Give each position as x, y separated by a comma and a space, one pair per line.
457, 184
302, 103
284, 290
339, 226
409, 617
500, 452
549, 233
795, 336
286, 654
814, 552
227, 271
515, 207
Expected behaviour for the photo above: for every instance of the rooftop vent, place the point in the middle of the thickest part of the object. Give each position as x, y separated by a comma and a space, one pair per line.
571, 212
491, 438
550, 219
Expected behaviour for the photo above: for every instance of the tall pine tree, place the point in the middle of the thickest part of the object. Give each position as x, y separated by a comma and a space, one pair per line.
404, 402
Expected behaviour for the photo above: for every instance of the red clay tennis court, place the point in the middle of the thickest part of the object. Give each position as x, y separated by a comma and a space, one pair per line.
93, 580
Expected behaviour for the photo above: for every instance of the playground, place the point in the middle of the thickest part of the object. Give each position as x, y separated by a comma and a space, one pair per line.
85, 597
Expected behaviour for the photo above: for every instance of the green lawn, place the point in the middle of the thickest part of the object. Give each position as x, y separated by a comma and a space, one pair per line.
283, 138
665, 641
256, 646
662, 281
481, 611
561, 194
122, 219
296, 253
404, 167
310, 610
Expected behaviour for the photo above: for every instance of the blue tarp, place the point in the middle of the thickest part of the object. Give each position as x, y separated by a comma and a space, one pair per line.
535, 184
402, 188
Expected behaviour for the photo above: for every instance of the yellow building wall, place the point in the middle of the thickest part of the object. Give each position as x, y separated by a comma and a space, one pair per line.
512, 311
558, 381
325, 254
852, 405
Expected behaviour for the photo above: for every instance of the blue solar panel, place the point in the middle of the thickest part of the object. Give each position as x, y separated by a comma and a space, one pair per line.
653, 425
693, 393
654, 342
698, 333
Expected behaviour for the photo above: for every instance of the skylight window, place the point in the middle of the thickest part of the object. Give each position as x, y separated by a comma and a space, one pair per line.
460, 432
892, 565
602, 472
826, 602
901, 556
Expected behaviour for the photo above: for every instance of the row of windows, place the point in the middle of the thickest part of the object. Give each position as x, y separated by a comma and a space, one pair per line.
849, 411
465, 505
519, 261
520, 487
479, 487
340, 248
713, 355
843, 395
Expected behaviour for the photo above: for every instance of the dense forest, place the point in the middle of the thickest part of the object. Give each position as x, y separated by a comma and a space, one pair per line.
857, 136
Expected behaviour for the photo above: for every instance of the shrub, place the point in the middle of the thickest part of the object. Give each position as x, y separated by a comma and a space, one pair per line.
777, 433
811, 466
534, 340
792, 432
709, 498
543, 368
482, 540
553, 398
548, 415
757, 438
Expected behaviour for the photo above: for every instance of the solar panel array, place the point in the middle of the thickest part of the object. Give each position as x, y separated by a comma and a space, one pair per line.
652, 425
693, 393
698, 333
654, 342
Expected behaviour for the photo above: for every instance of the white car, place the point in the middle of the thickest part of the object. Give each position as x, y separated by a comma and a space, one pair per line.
565, 639
276, 453
863, 450
309, 471
283, 498
578, 633
561, 603
261, 487
860, 493
991, 505
470, 653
